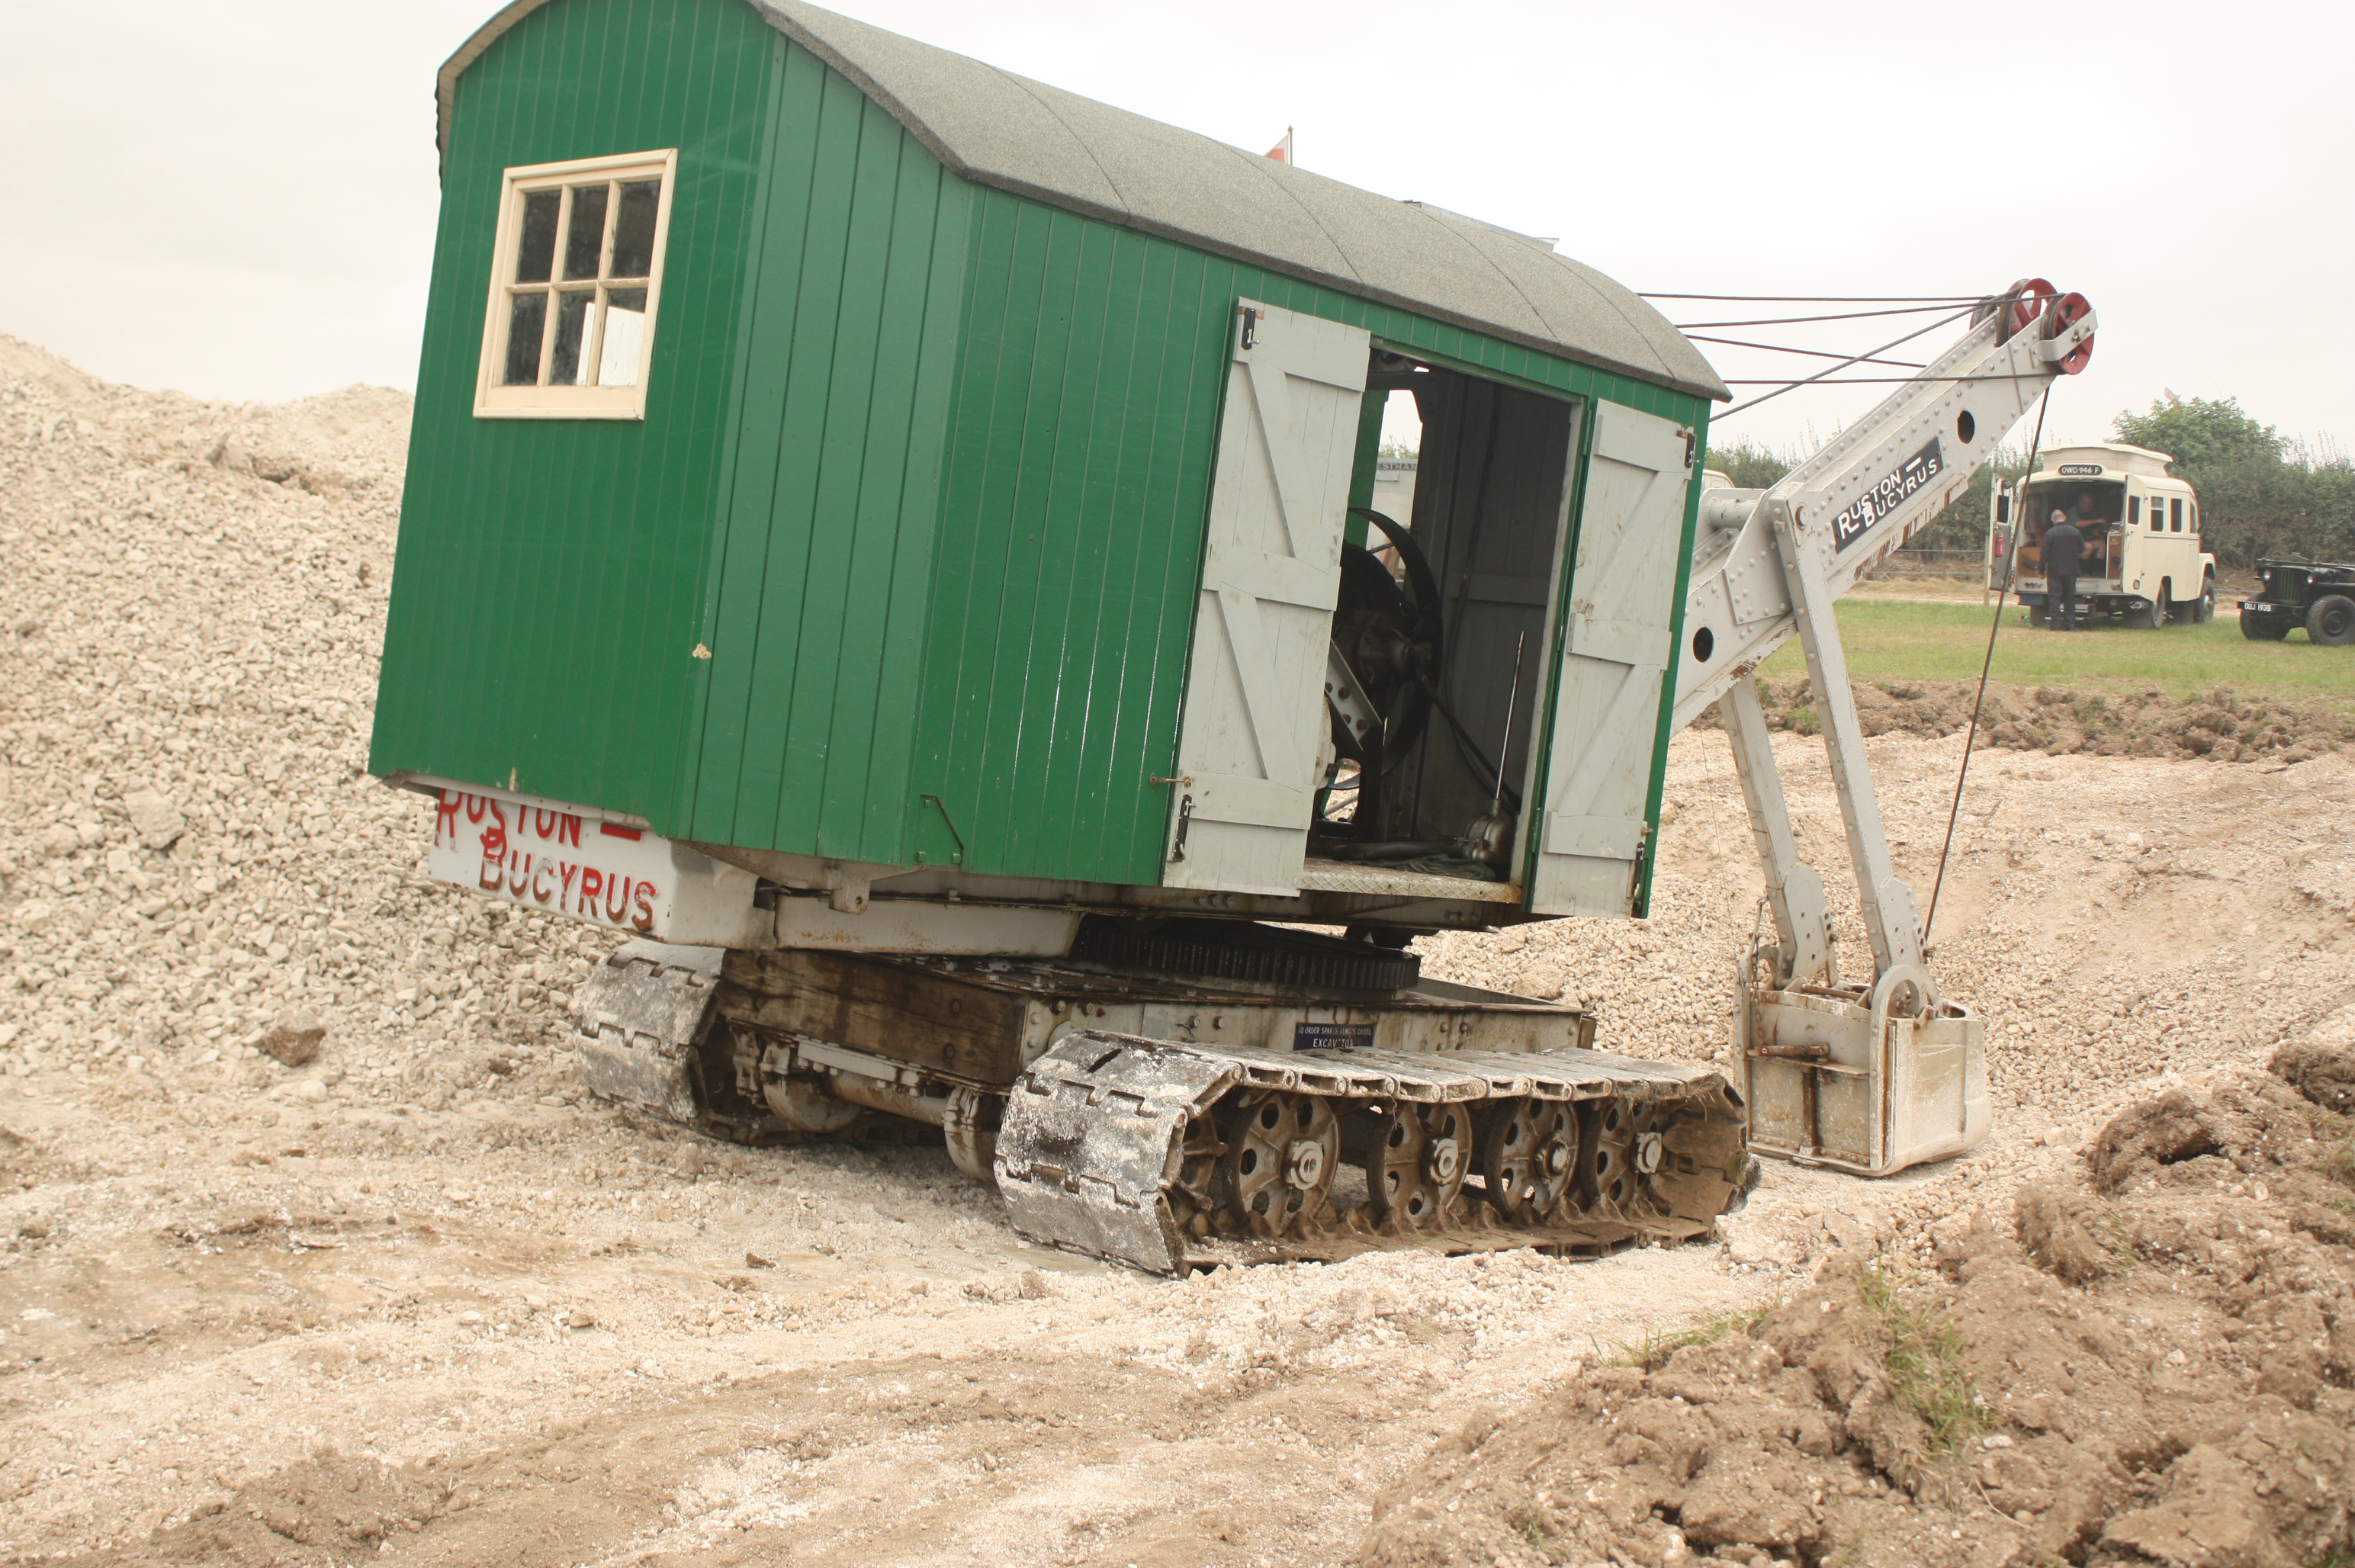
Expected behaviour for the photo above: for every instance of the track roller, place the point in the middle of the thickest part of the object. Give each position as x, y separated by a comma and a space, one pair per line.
1162, 1154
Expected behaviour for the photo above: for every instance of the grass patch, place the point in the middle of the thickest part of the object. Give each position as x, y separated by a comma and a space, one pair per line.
1899, 639
2340, 1162
1924, 1357
1650, 1353
1529, 1522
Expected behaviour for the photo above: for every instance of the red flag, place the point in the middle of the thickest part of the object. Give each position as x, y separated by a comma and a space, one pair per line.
1282, 151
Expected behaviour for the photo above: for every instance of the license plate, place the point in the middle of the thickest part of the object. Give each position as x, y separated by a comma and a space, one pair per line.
577, 862
2259, 606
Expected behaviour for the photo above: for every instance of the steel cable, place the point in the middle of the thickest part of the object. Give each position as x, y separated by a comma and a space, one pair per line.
1970, 739
1941, 321
1823, 299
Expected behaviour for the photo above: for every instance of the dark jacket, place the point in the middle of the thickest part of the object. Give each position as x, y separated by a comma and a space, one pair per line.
2065, 550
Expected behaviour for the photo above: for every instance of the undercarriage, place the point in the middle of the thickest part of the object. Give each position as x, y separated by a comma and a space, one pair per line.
1175, 1121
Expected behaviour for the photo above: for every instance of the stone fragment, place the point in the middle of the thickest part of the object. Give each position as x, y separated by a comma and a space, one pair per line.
294, 1039
154, 819
2062, 1234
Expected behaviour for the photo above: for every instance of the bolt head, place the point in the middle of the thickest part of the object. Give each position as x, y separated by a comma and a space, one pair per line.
1303, 1164
1442, 1160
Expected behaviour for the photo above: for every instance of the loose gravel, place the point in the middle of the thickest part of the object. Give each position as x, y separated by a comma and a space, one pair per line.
227, 1279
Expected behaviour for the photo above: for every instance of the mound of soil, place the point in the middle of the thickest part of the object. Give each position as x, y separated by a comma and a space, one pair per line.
340, 1506
2150, 1364
2219, 724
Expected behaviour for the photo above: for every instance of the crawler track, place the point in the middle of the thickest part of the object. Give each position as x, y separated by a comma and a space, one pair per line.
1168, 1156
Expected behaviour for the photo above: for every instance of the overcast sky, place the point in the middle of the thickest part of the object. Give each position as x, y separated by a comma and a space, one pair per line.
237, 198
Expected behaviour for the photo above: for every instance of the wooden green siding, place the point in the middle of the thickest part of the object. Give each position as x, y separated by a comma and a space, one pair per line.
551, 573
817, 608
1072, 529
925, 468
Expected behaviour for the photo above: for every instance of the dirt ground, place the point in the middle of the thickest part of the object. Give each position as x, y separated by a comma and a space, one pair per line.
417, 1300
2143, 1362
2223, 725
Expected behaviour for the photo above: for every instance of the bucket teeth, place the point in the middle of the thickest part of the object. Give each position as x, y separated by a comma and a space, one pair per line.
1162, 1155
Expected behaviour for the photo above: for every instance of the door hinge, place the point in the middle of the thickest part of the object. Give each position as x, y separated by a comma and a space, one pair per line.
1185, 821
942, 808
1251, 326
1690, 439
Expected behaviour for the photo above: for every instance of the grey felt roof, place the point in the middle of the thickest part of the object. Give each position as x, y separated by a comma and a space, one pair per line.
997, 129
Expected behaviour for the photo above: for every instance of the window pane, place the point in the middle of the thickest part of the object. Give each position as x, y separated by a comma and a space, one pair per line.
584, 242
626, 335
537, 250
564, 366
634, 234
526, 319
2133, 510
2176, 507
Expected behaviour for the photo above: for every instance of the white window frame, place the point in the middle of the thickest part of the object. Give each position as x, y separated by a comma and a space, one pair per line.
492, 401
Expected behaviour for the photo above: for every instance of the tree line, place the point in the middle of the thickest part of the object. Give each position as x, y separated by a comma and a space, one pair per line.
2261, 493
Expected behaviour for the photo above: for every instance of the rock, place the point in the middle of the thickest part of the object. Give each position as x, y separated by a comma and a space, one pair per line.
295, 1039
35, 914
1033, 1284
60, 839
2321, 1070
2063, 1236
154, 819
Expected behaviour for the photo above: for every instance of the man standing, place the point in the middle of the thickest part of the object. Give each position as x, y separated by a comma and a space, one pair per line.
2064, 549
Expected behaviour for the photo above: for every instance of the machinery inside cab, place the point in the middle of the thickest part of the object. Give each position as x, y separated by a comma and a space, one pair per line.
1455, 676
1425, 714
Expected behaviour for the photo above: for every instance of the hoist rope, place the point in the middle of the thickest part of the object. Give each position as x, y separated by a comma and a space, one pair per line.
1970, 739
1827, 369
1839, 315
1823, 299
1873, 380
1810, 353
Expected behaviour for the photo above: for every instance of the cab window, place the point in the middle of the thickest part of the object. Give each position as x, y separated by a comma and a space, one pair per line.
2175, 508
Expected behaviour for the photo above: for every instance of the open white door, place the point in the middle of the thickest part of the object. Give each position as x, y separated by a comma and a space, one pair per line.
1606, 713
1254, 710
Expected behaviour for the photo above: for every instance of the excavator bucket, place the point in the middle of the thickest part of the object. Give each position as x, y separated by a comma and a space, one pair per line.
1836, 1076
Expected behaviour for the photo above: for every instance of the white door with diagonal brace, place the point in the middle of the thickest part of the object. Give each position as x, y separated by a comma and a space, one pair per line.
1247, 747
1616, 654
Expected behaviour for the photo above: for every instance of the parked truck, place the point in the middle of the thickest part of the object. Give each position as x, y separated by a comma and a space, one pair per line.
2295, 591
2142, 560
895, 549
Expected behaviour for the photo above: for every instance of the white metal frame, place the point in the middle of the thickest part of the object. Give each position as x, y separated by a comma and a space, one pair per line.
492, 401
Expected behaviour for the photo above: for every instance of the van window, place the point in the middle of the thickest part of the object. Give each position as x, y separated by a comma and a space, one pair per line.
2176, 507
2195, 516
2133, 510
